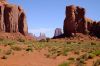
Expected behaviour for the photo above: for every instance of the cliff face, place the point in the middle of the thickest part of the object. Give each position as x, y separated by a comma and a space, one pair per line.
76, 22
12, 19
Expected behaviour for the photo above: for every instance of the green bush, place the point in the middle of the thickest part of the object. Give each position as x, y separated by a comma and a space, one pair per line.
64, 64
71, 58
65, 52
68, 42
16, 48
97, 52
21, 40
92, 43
91, 55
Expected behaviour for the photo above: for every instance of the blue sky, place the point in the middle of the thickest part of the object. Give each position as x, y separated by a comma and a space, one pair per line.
46, 15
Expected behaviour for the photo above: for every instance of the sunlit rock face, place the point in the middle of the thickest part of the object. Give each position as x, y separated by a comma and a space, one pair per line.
12, 19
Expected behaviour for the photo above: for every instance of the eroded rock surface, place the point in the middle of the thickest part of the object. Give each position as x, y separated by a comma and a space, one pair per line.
75, 21
12, 19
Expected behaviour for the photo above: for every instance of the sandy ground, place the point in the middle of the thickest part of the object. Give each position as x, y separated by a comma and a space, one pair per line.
22, 58
37, 58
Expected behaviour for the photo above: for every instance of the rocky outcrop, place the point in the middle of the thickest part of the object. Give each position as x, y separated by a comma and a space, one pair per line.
75, 21
22, 24
95, 29
89, 23
12, 19
69, 22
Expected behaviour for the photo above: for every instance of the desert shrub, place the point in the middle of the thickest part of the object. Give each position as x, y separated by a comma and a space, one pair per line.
42, 40
29, 49
64, 64
0, 50
8, 52
47, 39
16, 48
6, 42
11, 43
92, 43
1, 39
4, 57
91, 56
79, 42
80, 62
71, 58
97, 63
68, 42
21, 40
64, 52
85, 56
97, 52
77, 52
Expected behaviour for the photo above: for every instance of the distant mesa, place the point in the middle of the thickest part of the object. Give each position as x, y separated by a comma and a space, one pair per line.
58, 32
42, 36
12, 18
75, 22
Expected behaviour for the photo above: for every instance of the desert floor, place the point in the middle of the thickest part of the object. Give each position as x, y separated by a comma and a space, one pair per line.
49, 53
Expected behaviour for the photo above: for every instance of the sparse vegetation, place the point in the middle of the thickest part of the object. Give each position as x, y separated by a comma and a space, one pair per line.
42, 40
8, 52
97, 62
96, 52
16, 48
64, 64
29, 49
71, 58
21, 40
92, 43
4, 57
90, 49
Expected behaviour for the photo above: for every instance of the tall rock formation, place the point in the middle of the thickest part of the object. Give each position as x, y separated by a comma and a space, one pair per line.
75, 21
69, 22
12, 19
